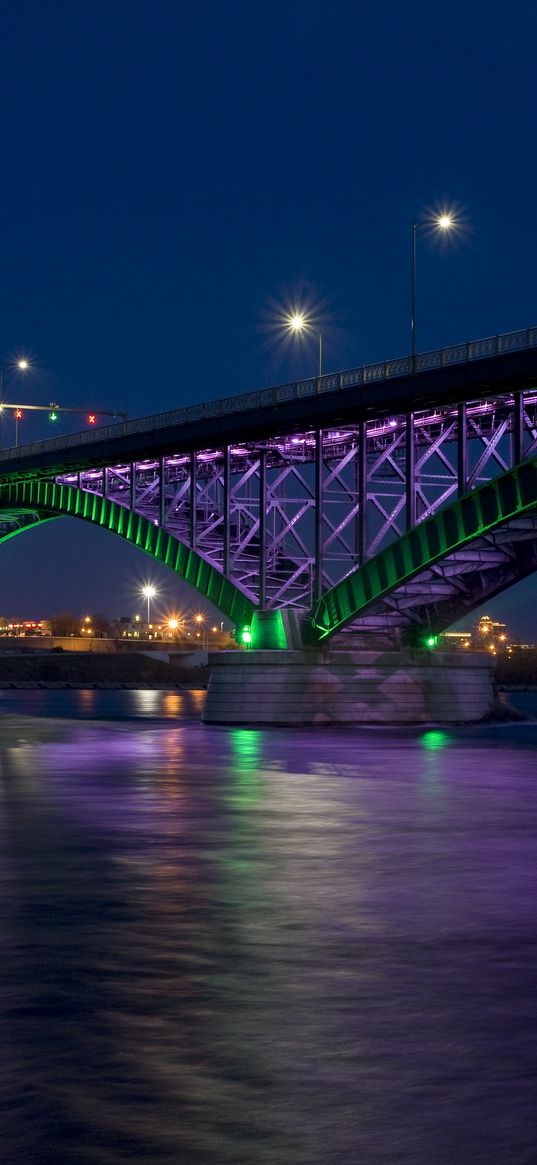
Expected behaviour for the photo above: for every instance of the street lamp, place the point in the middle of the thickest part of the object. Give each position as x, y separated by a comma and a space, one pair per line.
298, 323
149, 592
173, 627
199, 619
440, 222
21, 365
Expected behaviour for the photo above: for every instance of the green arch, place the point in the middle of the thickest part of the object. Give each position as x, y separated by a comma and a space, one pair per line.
27, 522
49, 499
507, 496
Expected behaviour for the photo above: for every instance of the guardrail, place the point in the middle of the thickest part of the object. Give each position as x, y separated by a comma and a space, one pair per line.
387, 370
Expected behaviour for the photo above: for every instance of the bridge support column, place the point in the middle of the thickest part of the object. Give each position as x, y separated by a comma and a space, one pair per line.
348, 687
276, 630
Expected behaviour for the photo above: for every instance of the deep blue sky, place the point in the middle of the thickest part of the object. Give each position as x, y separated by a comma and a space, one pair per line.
167, 170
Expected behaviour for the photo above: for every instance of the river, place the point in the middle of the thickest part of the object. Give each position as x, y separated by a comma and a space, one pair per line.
241, 946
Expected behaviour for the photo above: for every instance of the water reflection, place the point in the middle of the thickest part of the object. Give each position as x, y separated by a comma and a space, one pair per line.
88, 698
279, 948
435, 739
172, 704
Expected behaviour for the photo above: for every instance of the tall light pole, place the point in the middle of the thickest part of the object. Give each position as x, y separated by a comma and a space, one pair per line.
21, 365
149, 592
199, 619
439, 222
300, 324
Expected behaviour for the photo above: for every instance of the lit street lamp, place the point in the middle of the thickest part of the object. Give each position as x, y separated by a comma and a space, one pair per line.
440, 222
174, 626
199, 619
21, 365
149, 592
300, 324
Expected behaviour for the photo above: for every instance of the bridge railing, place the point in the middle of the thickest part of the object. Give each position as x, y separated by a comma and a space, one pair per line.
385, 370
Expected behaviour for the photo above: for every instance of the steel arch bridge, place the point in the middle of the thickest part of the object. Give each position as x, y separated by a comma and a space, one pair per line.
375, 501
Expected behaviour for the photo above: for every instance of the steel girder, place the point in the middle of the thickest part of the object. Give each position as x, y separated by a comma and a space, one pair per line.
287, 519
280, 523
487, 366
444, 567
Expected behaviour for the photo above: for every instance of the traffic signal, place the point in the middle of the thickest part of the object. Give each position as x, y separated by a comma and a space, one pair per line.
53, 416
18, 414
245, 636
92, 419
430, 642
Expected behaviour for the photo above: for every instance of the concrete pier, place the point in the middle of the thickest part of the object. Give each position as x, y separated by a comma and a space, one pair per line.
348, 687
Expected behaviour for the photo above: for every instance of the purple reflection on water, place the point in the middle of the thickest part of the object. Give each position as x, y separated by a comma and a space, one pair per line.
226, 945
107, 778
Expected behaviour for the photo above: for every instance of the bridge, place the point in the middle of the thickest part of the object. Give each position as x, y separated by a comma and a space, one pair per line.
382, 500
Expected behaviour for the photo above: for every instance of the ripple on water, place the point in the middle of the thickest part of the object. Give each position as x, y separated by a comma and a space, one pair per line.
261, 946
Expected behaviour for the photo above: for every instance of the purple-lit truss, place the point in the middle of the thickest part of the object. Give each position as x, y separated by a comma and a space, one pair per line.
288, 518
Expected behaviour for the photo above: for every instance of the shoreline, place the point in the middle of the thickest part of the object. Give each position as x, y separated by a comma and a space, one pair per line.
79, 670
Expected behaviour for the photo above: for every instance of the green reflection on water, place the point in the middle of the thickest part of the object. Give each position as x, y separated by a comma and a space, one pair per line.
246, 748
246, 745
434, 739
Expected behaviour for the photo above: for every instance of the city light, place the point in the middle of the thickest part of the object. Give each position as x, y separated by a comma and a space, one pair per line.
297, 323
149, 592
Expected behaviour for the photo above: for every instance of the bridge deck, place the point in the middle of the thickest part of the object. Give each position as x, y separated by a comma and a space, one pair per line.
449, 375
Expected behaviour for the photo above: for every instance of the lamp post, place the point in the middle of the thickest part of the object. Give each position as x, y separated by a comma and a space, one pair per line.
439, 222
199, 619
149, 592
21, 365
299, 323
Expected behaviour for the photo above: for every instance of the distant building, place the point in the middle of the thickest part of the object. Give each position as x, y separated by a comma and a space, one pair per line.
457, 640
491, 635
487, 635
24, 627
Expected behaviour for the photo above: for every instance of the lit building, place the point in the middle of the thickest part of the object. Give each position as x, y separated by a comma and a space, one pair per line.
457, 640
491, 635
24, 627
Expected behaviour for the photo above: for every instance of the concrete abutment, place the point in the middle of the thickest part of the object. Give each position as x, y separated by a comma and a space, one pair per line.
348, 687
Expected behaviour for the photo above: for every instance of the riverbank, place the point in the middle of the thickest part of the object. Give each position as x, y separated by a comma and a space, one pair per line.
89, 670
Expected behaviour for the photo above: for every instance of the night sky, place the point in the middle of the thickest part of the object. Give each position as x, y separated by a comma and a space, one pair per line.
170, 171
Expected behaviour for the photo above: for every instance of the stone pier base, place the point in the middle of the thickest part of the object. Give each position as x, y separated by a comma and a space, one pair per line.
347, 687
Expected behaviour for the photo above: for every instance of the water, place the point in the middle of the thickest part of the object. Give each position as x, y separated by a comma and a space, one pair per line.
232, 946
